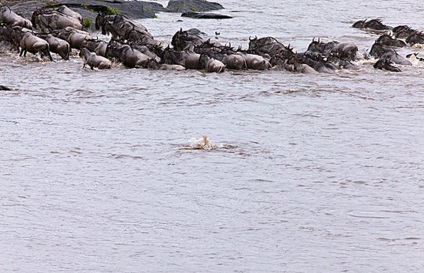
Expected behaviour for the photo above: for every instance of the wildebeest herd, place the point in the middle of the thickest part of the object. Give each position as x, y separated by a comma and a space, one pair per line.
60, 29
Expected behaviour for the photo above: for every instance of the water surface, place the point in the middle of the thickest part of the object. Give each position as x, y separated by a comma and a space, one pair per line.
312, 173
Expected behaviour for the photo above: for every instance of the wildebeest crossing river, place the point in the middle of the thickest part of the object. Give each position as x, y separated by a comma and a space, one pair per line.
308, 172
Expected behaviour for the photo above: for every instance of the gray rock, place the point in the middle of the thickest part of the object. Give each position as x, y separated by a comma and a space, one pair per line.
130, 9
192, 6
2, 87
205, 15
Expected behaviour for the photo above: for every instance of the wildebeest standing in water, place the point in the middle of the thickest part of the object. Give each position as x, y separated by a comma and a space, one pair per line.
186, 58
74, 37
127, 55
93, 60
381, 52
31, 43
269, 47
58, 46
211, 64
155, 65
342, 50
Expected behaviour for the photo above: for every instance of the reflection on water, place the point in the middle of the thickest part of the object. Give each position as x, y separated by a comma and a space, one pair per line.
311, 173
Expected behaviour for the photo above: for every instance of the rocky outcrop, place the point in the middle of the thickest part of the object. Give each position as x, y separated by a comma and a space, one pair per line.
192, 6
131, 9
205, 15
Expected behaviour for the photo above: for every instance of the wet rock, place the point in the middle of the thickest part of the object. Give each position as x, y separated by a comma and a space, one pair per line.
205, 15
2, 87
192, 6
131, 9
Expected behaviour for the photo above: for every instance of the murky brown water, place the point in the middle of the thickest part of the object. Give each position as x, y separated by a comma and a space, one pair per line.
312, 173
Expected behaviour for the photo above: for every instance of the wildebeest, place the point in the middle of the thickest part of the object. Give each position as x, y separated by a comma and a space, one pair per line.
50, 19
127, 55
373, 25
74, 37
123, 29
9, 17
93, 60
294, 64
225, 54
388, 40
379, 51
234, 61
147, 50
254, 61
314, 60
8, 35
185, 38
31, 43
269, 47
342, 50
402, 31
95, 45
155, 65
211, 64
386, 64
186, 58
415, 38
58, 46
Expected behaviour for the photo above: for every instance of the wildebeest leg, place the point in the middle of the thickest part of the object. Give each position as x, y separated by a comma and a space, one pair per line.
48, 54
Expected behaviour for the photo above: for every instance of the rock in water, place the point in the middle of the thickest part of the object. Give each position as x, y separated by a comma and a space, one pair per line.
205, 15
2, 87
192, 5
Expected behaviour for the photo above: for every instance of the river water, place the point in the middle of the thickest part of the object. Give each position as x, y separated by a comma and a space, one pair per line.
309, 173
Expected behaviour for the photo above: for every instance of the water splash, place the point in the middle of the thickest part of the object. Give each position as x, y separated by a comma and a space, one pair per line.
203, 143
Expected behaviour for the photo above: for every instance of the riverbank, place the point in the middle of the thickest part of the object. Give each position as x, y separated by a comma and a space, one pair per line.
131, 9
